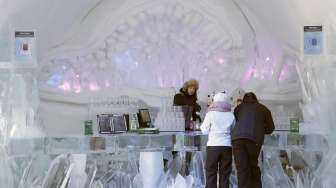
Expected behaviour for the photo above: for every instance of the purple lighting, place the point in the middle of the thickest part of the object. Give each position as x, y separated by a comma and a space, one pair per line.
221, 61
65, 86
251, 72
94, 87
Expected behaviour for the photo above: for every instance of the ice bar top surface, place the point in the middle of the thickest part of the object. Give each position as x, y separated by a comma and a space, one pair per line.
168, 141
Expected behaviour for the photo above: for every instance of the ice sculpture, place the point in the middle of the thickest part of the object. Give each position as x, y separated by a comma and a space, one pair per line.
113, 170
174, 178
78, 176
59, 173
6, 175
117, 179
180, 182
318, 87
197, 170
18, 118
151, 168
91, 173
274, 173
24, 106
163, 45
19, 102
173, 168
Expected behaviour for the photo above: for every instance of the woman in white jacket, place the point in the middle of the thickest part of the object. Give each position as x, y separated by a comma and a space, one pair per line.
218, 124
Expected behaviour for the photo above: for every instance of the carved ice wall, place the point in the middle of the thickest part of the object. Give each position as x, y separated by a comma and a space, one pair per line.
162, 45
157, 47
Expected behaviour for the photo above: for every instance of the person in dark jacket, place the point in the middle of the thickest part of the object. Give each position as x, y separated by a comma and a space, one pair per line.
253, 121
188, 97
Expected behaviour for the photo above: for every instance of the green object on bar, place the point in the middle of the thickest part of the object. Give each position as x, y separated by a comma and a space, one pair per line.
294, 125
88, 127
134, 123
148, 131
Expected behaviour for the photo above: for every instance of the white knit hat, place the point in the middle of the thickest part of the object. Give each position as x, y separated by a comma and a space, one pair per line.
220, 97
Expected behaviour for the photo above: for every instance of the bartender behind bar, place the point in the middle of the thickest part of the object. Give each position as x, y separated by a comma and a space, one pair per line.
187, 97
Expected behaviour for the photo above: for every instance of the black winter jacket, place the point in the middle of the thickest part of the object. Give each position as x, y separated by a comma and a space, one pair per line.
183, 99
253, 121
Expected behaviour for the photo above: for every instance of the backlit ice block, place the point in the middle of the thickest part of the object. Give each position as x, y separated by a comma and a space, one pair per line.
151, 168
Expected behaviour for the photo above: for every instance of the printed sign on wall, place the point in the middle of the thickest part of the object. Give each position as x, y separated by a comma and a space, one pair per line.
313, 40
24, 46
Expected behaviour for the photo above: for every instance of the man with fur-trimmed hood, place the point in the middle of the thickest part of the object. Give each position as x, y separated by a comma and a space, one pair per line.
188, 97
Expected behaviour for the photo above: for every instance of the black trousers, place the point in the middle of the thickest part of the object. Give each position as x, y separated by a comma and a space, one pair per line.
246, 154
219, 159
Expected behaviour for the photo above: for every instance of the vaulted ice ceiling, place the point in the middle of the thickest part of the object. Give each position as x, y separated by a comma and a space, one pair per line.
89, 45
157, 44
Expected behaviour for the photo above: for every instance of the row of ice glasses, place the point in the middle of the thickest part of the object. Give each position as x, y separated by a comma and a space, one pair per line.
171, 119
106, 105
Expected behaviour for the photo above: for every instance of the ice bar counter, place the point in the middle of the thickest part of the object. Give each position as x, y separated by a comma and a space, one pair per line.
120, 160
169, 141
168, 159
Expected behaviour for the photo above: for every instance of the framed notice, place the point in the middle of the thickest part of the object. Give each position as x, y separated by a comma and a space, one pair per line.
24, 47
313, 40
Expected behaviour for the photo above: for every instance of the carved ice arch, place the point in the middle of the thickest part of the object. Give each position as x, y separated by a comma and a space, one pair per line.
136, 50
